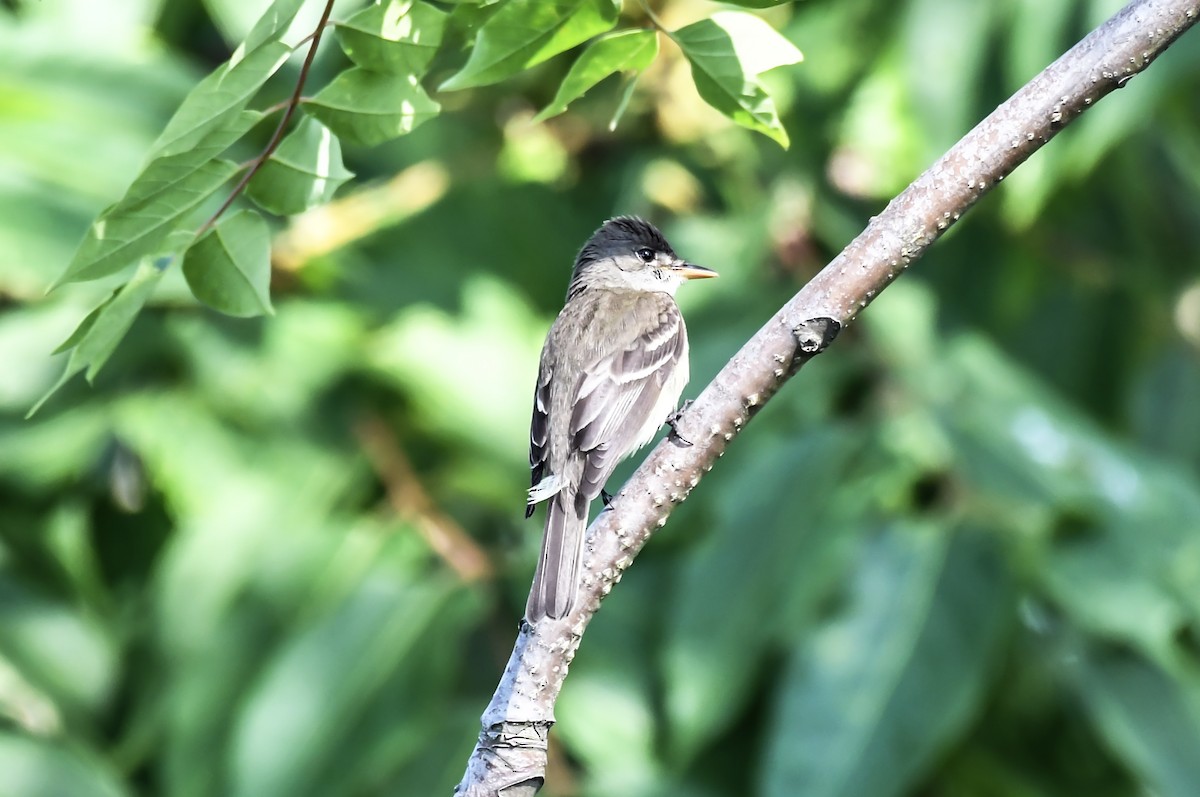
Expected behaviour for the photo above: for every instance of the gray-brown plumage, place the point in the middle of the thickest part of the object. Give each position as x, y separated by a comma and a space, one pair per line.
613, 367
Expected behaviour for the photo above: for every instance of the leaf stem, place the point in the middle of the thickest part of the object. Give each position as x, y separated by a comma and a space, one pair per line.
324, 24
289, 110
279, 106
654, 20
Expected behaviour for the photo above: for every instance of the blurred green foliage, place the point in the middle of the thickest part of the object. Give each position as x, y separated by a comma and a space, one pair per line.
959, 554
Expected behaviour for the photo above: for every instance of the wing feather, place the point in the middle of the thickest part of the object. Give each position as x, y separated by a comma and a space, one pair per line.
539, 428
617, 395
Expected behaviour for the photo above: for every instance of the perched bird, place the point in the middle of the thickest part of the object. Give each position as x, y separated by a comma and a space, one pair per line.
612, 369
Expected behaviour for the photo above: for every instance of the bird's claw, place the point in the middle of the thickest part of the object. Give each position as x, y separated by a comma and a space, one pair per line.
674, 419
605, 498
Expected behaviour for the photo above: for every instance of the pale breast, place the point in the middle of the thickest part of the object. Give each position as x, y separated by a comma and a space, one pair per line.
668, 400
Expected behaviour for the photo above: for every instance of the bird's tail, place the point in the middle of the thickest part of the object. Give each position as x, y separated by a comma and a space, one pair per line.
556, 579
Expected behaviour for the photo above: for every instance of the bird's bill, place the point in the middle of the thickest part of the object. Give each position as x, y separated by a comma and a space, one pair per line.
690, 271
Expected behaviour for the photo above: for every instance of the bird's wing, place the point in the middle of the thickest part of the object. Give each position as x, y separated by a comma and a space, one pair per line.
617, 394
539, 428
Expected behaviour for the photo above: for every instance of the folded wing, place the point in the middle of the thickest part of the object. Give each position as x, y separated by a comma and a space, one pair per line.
618, 397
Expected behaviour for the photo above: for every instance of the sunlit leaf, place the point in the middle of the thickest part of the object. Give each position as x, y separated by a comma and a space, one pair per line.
94, 349
224, 92
623, 103
103, 329
84, 326
229, 267
62, 653
272, 24
728, 52
304, 171
165, 191
370, 108
164, 173
127, 232
35, 767
628, 50
75, 127
526, 32
873, 697
398, 37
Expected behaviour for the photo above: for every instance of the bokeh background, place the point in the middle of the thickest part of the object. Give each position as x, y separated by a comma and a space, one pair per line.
958, 555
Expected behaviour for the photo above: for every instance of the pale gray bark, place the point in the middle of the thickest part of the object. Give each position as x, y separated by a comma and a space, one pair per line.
510, 757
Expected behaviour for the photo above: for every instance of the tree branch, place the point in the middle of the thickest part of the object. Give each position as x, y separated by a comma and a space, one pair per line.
410, 501
509, 759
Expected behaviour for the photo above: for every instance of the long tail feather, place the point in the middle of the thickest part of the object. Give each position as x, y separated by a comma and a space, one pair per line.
556, 579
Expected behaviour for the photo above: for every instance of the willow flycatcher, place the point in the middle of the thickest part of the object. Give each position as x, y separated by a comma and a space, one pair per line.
612, 369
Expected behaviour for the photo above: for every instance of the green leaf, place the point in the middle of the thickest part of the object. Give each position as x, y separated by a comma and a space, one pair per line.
229, 267
626, 50
1112, 582
370, 108
84, 326
64, 657
870, 701
75, 127
727, 53
303, 172
623, 103
943, 108
783, 490
413, 349
100, 332
607, 712
94, 349
35, 767
164, 173
1150, 719
1164, 400
310, 697
128, 231
398, 37
222, 93
167, 188
526, 32
272, 24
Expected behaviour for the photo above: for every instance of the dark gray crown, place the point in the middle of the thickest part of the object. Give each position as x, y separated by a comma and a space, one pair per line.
619, 236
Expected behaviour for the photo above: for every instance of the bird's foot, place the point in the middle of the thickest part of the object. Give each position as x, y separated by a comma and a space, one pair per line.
605, 498
674, 419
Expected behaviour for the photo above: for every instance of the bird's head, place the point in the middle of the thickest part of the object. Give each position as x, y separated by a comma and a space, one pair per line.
629, 253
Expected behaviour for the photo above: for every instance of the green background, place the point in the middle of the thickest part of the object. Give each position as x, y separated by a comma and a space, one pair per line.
958, 555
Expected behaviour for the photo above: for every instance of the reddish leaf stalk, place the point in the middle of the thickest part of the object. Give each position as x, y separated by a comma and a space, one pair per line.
289, 110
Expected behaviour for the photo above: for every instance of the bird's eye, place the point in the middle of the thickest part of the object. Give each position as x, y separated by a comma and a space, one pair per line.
645, 255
